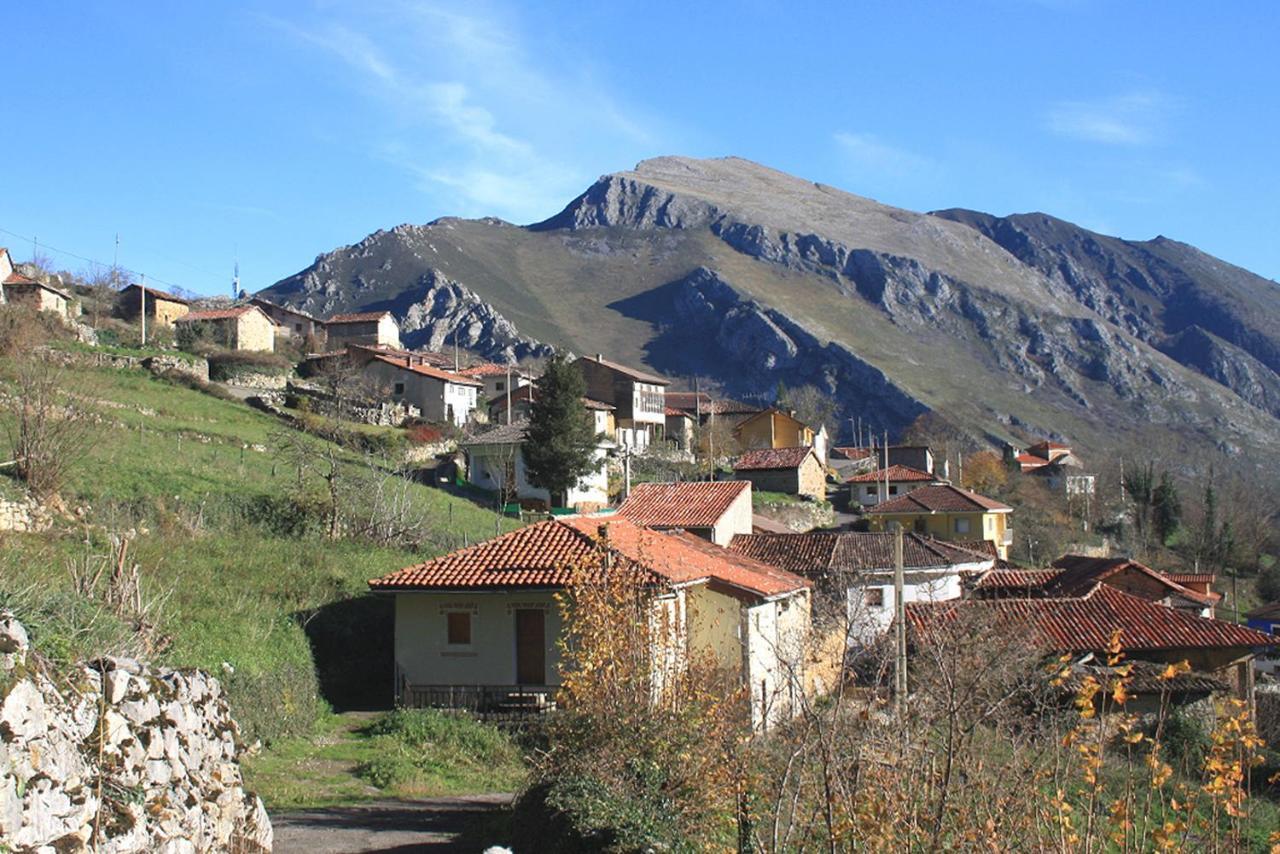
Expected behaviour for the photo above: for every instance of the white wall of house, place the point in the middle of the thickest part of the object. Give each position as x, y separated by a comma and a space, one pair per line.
736, 520
776, 632
871, 602
868, 494
424, 656
487, 467
438, 400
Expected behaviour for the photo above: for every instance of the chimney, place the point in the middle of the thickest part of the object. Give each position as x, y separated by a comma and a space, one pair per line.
599, 357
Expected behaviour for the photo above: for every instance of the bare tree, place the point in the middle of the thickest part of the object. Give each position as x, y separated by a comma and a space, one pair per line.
46, 426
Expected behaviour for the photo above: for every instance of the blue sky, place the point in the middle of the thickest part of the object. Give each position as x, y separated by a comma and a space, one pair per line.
271, 132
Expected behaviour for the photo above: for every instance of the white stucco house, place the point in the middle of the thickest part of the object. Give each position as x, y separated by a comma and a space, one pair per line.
478, 628
440, 395
495, 460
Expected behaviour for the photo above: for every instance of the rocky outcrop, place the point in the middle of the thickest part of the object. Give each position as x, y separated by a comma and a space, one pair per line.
444, 312
118, 757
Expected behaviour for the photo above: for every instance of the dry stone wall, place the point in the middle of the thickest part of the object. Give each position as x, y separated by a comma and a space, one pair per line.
119, 757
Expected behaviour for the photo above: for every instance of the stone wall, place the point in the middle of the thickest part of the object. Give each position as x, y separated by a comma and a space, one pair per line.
119, 757
23, 515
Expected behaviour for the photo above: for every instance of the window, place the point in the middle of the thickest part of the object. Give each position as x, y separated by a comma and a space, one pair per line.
873, 597
500, 386
398, 388
297, 327
962, 526
459, 628
893, 490
869, 490
921, 525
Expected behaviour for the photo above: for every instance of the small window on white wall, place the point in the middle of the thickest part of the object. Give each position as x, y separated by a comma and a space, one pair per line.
962, 526
873, 597
459, 628
398, 388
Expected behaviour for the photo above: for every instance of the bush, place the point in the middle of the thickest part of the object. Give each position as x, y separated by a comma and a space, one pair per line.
1186, 742
182, 378
227, 365
416, 743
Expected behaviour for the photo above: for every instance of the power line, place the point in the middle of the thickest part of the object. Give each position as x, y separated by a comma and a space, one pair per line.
79, 257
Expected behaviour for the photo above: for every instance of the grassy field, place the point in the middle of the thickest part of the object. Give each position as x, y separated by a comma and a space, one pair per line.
233, 560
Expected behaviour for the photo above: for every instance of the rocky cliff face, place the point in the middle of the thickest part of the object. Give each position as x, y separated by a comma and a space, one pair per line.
119, 757
744, 277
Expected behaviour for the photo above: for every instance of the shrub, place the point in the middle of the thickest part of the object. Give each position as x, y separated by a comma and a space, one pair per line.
1186, 743
415, 743
227, 365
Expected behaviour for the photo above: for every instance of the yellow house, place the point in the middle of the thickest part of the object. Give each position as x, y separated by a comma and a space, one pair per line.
947, 513
773, 428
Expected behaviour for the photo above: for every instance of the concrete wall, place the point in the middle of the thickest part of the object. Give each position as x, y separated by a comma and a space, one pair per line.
869, 620
423, 655
951, 526
487, 467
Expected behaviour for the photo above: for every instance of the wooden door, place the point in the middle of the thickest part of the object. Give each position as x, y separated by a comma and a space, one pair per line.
531, 646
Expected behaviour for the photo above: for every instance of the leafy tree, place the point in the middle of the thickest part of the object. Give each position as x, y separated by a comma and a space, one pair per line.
1140, 486
1166, 508
560, 443
984, 472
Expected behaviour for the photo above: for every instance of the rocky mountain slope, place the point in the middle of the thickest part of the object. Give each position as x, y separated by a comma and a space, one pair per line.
744, 276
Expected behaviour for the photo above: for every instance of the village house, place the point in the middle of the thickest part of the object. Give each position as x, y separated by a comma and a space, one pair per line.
774, 428
497, 379
1080, 621
518, 406
793, 471
440, 395
376, 328
853, 572
480, 627
717, 512
680, 428
162, 308
17, 289
244, 327
495, 461
1132, 577
1054, 462
704, 408
1266, 618
638, 399
291, 322
871, 488
947, 513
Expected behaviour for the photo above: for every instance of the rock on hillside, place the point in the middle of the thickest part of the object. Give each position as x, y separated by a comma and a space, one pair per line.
119, 757
746, 277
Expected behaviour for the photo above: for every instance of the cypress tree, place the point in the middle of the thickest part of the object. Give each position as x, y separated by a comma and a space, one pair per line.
560, 442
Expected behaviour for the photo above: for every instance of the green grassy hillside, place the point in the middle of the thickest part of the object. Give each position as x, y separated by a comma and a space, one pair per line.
231, 554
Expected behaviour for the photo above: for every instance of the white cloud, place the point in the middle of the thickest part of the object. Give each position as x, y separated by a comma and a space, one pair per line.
472, 117
1135, 118
870, 154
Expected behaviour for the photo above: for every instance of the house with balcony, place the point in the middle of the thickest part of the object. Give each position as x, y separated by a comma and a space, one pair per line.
871, 488
638, 399
371, 328
479, 628
948, 512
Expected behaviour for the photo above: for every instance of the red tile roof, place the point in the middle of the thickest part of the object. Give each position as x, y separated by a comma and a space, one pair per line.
1085, 623
155, 294
763, 459
940, 499
544, 556
220, 314
847, 551
1080, 571
1030, 460
1190, 577
673, 412
682, 505
490, 369
896, 474
526, 392
428, 371
854, 453
359, 317
701, 402
1002, 582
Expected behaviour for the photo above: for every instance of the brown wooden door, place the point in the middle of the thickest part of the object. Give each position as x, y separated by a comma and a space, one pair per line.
531, 646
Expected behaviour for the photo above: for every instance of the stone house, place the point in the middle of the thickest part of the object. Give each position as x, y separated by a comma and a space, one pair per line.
440, 395
1132, 577
244, 327
702, 407
680, 428
774, 428
291, 322
480, 627
947, 513
162, 308
17, 289
793, 471
375, 328
717, 512
638, 398
495, 461
870, 488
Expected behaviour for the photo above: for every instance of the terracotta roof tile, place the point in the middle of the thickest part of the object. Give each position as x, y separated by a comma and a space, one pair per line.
545, 555
490, 369
682, 505
1085, 623
940, 499
157, 294
763, 459
846, 551
428, 371
265, 304
896, 474
1080, 571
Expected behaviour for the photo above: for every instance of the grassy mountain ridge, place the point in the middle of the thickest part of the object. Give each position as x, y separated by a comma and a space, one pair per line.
745, 276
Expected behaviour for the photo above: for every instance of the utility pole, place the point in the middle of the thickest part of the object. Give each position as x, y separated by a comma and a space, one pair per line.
508, 394
142, 304
900, 621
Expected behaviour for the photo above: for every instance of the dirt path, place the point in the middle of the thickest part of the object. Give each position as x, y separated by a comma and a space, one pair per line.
431, 824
